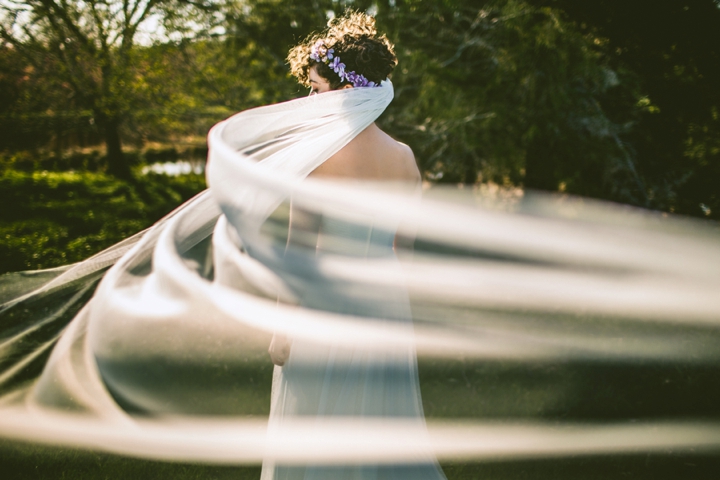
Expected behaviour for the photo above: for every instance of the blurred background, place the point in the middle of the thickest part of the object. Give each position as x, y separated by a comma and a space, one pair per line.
105, 105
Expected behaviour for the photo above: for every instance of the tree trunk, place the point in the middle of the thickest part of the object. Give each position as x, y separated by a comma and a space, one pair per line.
117, 163
470, 174
540, 165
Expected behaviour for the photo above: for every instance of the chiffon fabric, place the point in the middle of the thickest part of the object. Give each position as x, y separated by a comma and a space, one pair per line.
155, 347
175, 304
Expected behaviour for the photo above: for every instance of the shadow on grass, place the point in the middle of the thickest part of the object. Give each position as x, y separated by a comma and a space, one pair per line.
24, 461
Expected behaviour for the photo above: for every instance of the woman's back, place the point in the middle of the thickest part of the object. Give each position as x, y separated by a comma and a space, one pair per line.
372, 155
344, 377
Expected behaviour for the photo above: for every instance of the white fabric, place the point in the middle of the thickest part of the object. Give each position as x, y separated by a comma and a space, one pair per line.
178, 320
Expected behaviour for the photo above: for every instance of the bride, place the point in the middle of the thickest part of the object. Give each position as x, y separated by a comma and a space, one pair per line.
265, 252
293, 246
314, 378
372, 154
319, 379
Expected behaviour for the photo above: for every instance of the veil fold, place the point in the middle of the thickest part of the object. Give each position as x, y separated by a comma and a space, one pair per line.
157, 347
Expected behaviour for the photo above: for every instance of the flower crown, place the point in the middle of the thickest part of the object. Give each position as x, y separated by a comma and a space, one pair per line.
320, 53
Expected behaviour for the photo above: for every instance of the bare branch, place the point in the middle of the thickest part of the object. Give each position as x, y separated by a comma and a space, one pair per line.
129, 34
22, 47
126, 18
101, 28
134, 11
61, 11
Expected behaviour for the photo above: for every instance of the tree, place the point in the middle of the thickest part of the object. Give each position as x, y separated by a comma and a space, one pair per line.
505, 91
91, 45
264, 31
673, 50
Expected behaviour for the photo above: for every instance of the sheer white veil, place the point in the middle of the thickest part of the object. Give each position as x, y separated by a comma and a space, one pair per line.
149, 365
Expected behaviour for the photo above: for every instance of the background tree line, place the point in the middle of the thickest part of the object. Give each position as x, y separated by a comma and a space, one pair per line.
607, 99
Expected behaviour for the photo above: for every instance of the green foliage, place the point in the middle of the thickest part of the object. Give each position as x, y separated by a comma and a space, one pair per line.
674, 57
589, 98
263, 31
508, 92
57, 218
88, 49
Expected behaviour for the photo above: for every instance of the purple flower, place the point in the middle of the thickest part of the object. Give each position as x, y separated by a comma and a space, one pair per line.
320, 53
338, 67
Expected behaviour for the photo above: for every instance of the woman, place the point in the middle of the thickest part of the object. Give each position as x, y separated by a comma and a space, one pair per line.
372, 155
315, 379
178, 325
162, 361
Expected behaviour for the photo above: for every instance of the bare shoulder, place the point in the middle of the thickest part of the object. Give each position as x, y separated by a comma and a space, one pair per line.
372, 155
399, 160
410, 165
337, 165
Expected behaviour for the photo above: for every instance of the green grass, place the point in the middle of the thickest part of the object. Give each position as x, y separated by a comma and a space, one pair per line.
19, 461
571, 391
54, 218
50, 219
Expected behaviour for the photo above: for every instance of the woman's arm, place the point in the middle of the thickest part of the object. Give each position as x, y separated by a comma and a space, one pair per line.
303, 232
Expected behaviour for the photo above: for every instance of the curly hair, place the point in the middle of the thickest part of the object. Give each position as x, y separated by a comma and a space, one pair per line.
356, 41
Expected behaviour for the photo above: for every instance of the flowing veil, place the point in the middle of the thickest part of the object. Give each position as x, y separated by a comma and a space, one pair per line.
150, 348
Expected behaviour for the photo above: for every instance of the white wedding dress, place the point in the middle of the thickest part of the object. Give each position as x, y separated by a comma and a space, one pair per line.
322, 380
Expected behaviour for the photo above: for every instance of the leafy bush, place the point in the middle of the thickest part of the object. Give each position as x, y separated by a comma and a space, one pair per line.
54, 218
